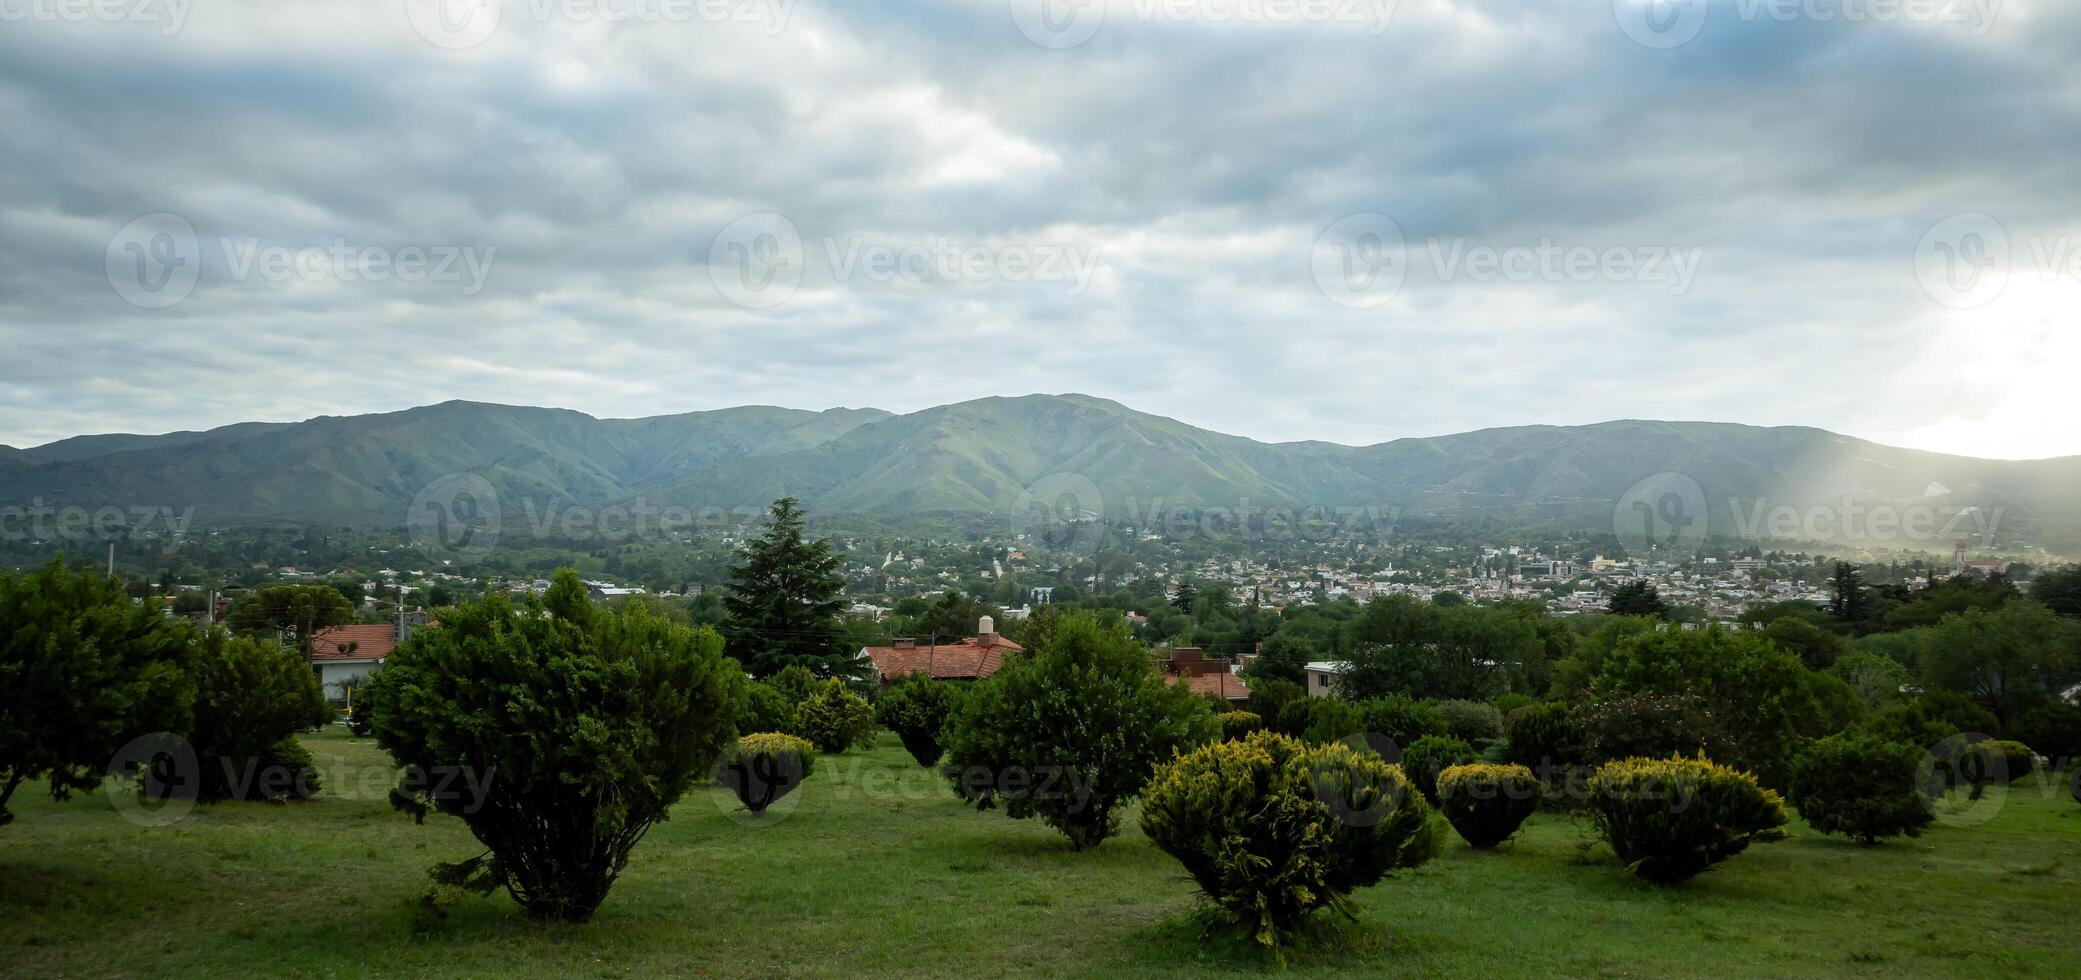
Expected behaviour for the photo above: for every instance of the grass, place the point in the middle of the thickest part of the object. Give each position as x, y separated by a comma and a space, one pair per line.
878, 870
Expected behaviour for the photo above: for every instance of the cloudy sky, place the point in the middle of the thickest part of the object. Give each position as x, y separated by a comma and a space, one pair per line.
1351, 220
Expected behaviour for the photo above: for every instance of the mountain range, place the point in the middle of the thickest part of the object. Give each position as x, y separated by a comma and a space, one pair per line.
979, 458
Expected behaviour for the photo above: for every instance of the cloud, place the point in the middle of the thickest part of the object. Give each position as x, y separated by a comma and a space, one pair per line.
1195, 161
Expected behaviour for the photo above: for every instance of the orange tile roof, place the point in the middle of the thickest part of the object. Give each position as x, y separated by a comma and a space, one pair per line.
1222, 684
965, 659
369, 642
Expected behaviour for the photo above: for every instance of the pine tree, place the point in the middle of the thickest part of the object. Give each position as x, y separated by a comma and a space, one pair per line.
1638, 599
1847, 598
784, 601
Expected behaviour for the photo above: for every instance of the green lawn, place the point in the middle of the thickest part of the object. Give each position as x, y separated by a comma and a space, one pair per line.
880, 871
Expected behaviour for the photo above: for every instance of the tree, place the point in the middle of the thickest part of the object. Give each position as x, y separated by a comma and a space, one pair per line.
1816, 647
954, 616
558, 738
916, 708
1637, 599
784, 599
2008, 660
290, 612
83, 672
1071, 732
251, 698
1185, 598
1861, 787
1846, 594
2059, 590
1757, 694
1282, 656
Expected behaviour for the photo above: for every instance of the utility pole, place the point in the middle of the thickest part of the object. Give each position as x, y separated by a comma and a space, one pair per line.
111, 559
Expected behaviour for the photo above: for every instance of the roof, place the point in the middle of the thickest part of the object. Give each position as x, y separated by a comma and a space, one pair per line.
369, 643
1327, 666
1221, 684
970, 658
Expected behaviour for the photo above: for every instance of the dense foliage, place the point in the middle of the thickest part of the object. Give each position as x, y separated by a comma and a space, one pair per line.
1757, 697
833, 718
251, 698
785, 597
916, 708
1469, 721
1272, 829
1401, 718
765, 766
1544, 737
83, 671
1670, 819
1072, 731
1995, 762
1487, 803
1431, 755
558, 732
1239, 724
1862, 788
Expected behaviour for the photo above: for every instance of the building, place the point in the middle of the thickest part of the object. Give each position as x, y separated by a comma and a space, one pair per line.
1190, 666
1318, 674
968, 659
344, 656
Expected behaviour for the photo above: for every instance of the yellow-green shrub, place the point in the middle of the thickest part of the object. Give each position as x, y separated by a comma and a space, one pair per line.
1487, 803
765, 766
1670, 819
1272, 828
1238, 724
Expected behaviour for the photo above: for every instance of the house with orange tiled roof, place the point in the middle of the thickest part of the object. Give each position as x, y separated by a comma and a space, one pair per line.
970, 658
1190, 666
344, 656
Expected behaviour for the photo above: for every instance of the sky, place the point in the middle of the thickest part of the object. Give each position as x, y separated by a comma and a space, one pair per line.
1349, 220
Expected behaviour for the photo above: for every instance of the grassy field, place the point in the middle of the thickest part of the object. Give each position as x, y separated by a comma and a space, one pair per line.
880, 871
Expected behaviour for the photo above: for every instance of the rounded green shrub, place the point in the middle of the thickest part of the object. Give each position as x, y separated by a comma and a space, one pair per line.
2053, 729
916, 707
1670, 819
1331, 719
1487, 803
766, 709
1401, 717
1238, 724
765, 766
1272, 828
1269, 695
1862, 788
1543, 737
251, 698
1431, 755
1469, 721
1995, 762
833, 718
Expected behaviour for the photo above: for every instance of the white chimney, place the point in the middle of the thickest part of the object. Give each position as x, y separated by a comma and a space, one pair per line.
985, 627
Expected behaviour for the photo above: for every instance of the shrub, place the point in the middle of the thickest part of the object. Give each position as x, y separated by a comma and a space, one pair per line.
1862, 788
833, 718
795, 683
766, 709
1511, 701
1271, 828
1994, 762
1670, 819
916, 707
251, 698
1469, 721
358, 721
1269, 695
1294, 717
557, 732
1431, 755
1909, 723
1072, 731
1650, 725
1331, 719
83, 671
2053, 729
1401, 717
1487, 803
1238, 724
1544, 737
765, 766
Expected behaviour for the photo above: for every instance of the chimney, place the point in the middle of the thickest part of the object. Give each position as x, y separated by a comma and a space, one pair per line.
986, 632
906, 644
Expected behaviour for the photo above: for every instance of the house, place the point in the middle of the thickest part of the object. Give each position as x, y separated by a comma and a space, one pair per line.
967, 659
344, 656
1190, 666
1318, 674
